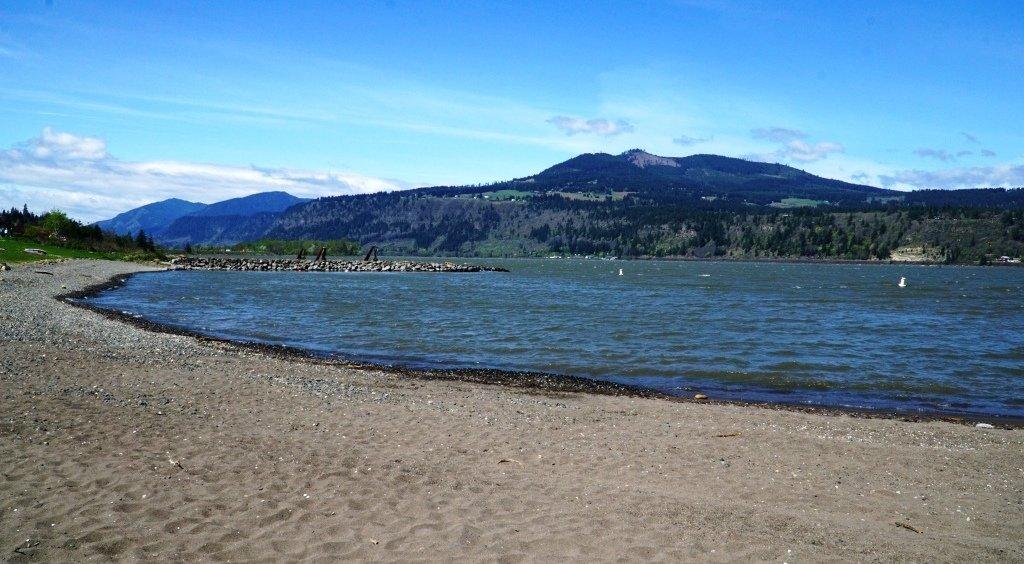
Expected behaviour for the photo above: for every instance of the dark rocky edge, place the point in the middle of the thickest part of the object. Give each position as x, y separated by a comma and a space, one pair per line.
295, 265
530, 382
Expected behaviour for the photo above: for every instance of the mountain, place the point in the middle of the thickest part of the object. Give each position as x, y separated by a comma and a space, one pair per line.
176, 223
706, 175
151, 218
228, 222
636, 204
640, 204
216, 230
264, 202
639, 172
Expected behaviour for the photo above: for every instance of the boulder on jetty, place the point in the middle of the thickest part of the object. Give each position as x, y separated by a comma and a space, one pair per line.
295, 265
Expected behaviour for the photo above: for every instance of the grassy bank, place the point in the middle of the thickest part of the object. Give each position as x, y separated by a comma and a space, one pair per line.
13, 251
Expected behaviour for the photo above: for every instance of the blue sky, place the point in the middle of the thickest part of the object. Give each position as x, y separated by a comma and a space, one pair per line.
105, 106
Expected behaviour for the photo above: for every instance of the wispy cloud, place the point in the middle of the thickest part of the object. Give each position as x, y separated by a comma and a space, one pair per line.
937, 154
969, 136
596, 126
792, 147
10, 49
777, 134
969, 177
59, 146
437, 113
988, 153
686, 140
75, 172
809, 152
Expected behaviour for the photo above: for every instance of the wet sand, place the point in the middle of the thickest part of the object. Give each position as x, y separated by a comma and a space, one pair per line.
118, 442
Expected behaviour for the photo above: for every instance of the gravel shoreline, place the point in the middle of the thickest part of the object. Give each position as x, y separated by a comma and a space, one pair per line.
537, 381
121, 443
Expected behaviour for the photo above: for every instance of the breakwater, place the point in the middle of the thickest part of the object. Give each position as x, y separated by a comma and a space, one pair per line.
296, 265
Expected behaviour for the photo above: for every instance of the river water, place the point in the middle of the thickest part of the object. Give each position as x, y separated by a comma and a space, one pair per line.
951, 341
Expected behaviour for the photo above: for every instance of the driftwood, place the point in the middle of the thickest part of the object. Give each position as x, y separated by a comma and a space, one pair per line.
371, 254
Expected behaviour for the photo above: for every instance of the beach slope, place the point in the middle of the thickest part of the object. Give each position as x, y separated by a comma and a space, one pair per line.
118, 442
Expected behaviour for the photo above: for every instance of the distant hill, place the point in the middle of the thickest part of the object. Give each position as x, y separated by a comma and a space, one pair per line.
216, 230
640, 204
177, 222
639, 172
264, 202
151, 218
704, 175
637, 204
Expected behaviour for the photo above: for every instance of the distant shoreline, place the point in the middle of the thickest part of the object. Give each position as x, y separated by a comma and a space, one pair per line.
821, 261
767, 260
537, 381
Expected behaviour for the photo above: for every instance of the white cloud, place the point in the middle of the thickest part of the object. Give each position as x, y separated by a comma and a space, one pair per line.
805, 152
77, 174
55, 145
686, 140
596, 126
777, 134
792, 147
798, 152
1005, 176
937, 154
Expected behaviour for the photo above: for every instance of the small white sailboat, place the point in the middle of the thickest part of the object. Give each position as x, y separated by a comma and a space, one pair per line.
620, 272
903, 282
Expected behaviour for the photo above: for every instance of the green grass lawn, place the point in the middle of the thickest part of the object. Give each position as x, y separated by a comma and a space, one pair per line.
13, 250
797, 203
592, 196
502, 195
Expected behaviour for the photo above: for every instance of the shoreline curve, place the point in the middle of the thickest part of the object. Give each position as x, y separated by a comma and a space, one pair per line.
538, 382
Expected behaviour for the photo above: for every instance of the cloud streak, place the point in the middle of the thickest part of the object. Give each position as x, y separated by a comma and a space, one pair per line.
596, 126
937, 154
777, 134
792, 146
77, 174
686, 140
1006, 176
804, 152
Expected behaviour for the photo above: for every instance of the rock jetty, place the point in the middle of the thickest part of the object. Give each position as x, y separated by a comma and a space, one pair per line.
295, 265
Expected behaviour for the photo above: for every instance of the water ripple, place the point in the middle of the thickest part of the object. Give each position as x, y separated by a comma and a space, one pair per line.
953, 340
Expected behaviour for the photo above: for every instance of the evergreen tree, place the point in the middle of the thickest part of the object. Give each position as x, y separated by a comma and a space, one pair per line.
140, 239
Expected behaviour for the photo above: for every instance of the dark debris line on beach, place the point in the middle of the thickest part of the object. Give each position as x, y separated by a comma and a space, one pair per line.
298, 265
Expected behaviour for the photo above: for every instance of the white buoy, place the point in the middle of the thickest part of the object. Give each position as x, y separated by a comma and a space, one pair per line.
903, 282
620, 272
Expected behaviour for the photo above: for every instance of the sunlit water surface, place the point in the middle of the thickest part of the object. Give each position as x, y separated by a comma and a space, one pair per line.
826, 334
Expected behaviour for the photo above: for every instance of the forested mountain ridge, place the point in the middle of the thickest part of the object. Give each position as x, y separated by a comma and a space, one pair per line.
177, 223
638, 204
263, 202
229, 221
150, 217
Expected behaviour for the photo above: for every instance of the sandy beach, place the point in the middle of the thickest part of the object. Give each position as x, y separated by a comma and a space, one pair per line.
122, 443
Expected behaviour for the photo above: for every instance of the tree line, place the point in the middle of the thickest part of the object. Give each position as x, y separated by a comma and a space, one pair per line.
56, 228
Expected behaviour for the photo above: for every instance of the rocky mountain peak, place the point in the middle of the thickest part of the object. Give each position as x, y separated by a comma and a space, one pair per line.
643, 159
